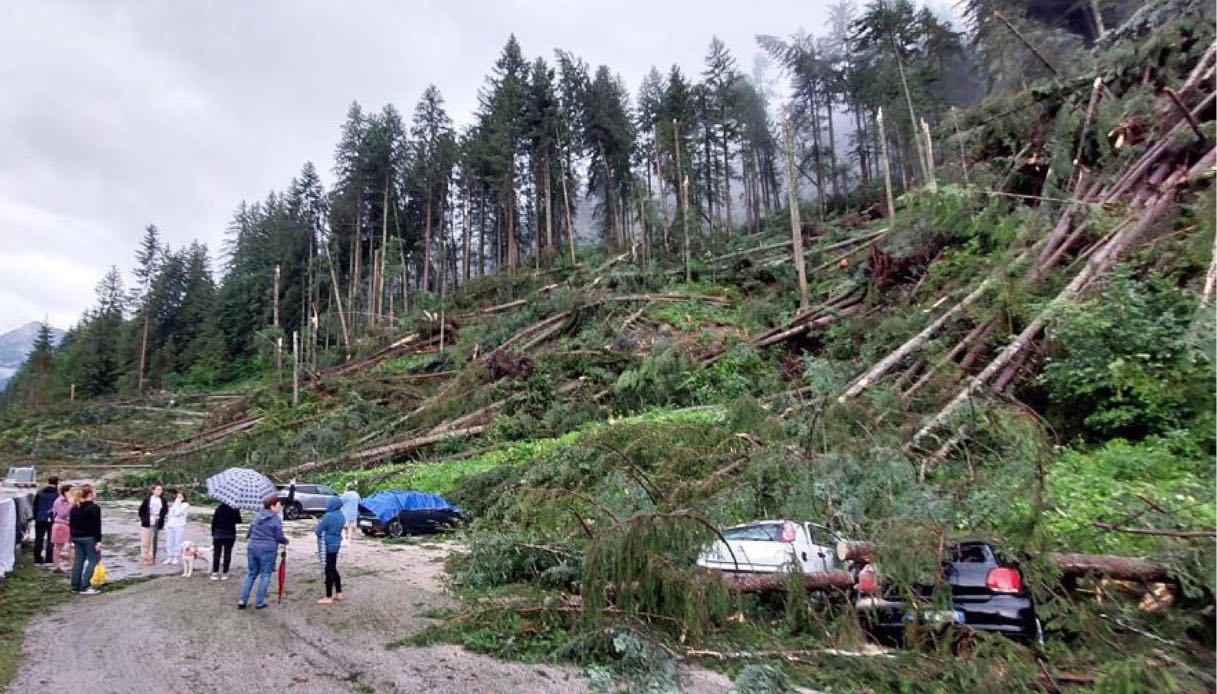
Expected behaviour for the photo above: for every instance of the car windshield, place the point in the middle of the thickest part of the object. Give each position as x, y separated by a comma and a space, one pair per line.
322, 489
764, 532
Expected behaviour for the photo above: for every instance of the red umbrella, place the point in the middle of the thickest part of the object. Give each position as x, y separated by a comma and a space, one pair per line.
282, 574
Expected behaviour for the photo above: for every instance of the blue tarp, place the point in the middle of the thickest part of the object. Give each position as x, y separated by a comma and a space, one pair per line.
387, 505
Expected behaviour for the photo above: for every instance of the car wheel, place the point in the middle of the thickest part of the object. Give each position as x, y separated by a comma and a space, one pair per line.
395, 529
294, 511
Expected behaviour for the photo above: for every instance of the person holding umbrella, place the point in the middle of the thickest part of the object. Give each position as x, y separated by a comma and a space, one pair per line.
265, 535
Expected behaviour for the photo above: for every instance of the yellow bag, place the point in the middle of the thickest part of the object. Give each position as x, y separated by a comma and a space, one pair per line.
99, 575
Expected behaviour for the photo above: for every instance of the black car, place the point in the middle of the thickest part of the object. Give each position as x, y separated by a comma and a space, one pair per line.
987, 594
411, 522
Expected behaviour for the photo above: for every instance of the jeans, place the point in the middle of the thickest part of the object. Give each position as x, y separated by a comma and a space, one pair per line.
218, 547
333, 582
82, 573
173, 541
42, 541
261, 564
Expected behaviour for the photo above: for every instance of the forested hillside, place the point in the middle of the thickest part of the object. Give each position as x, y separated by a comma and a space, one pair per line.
958, 286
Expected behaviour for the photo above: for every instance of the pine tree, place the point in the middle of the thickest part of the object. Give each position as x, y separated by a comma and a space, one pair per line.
432, 156
609, 135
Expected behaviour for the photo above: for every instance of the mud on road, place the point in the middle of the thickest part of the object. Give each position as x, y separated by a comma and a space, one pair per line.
177, 634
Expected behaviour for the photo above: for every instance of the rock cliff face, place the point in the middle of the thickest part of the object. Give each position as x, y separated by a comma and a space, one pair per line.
15, 346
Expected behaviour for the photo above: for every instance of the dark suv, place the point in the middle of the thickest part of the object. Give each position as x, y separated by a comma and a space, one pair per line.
987, 594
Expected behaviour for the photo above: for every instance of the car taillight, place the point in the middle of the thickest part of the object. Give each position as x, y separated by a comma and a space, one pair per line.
867, 585
788, 532
1005, 580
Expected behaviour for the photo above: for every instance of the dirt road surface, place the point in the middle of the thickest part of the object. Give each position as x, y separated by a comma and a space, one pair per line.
178, 634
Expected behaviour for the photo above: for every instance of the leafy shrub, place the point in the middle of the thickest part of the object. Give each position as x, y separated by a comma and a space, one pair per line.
741, 371
1122, 480
496, 559
1121, 366
658, 380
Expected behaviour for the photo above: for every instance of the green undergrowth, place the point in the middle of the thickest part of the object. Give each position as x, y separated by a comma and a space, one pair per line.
447, 476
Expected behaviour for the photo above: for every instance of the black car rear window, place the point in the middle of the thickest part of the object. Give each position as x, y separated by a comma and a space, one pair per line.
970, 554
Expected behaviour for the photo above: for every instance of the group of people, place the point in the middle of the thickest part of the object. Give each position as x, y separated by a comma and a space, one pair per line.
67, 525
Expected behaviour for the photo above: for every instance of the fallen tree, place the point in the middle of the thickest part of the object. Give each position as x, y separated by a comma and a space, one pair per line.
779, 582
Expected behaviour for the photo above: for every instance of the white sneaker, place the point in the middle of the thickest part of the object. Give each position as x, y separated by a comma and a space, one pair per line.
167, 561
215, 577
224, 577
90, 591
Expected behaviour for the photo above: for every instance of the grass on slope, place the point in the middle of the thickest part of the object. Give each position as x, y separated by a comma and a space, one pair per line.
444, 477
25, 594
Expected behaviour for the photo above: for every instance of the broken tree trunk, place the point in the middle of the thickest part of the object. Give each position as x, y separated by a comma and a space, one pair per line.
1109, 566
887, 168
859, 552
390, 449
780, 582
877, 371
796, 230
1099, 263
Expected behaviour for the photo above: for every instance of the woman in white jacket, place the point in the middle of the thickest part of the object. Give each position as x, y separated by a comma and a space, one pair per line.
175, 527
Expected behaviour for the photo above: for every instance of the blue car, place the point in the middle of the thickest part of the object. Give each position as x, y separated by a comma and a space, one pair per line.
399, 513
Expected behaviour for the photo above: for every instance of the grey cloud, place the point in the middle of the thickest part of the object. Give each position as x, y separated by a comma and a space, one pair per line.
119, 114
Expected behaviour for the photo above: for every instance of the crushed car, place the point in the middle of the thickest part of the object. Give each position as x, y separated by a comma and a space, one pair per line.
987, 594
771, 546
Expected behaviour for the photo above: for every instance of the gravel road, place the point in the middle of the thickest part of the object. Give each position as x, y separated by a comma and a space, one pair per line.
177, 634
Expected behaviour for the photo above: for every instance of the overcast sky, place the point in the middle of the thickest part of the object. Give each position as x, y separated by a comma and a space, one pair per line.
117, 114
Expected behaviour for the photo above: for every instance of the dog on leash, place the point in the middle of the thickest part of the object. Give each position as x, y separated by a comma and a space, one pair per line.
190, 552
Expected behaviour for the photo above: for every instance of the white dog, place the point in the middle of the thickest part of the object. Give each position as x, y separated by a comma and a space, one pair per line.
190, 552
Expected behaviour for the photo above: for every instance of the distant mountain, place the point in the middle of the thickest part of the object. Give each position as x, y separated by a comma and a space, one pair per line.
15, 346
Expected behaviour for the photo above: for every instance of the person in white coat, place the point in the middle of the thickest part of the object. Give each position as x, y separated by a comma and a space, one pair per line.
175, 527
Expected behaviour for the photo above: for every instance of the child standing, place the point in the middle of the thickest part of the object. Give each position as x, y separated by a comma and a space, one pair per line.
175, 526
61, 534
329, 529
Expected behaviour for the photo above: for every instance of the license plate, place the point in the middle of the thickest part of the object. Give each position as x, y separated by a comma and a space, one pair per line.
936, 616
365, 524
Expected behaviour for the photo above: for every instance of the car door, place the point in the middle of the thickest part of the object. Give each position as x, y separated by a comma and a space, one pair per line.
822, 548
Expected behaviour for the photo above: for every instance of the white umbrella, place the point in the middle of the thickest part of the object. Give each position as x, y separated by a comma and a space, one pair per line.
240, 488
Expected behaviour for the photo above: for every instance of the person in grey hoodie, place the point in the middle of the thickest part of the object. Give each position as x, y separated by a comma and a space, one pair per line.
265, 535
330, 529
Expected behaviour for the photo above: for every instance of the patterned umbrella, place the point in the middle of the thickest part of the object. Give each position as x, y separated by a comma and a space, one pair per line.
240, 488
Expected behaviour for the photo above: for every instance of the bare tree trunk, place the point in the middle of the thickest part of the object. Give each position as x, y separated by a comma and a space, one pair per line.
274, 297
887, 170
143, 342
570, 224
295, 368
513, 251
963, 158
346, 336
727, 182
796, 228
684, 200
663, 195
929, 156
832, 149
426, 274
908, 100
549, 210
468, 218
384, 245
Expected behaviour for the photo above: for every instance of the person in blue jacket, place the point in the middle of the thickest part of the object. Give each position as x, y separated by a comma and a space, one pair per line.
265, 535
329, 529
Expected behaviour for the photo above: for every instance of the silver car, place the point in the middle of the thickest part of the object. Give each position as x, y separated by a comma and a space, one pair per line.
309, 500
